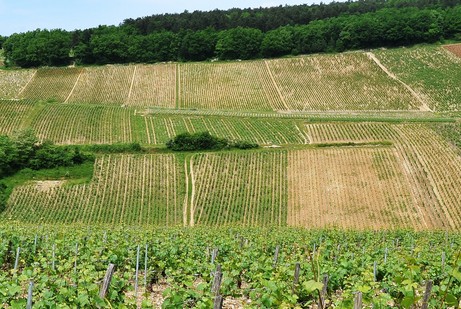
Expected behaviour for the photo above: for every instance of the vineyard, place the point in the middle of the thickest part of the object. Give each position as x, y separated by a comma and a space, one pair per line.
347, 132
13, 82
108, 85
433, 72
228, 86
340, 82
12, 113
396, 175
258, 268
99, 124
153, 85
51, 84
403, 79
80, 124
247, 189
159, 128
354, 148
128, 189
349, 188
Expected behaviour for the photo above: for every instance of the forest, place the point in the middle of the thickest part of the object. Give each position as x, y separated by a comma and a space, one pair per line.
242, 34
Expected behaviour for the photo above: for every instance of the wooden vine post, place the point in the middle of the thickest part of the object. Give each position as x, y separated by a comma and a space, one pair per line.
106, 282
427, 294
358, 301
218, 301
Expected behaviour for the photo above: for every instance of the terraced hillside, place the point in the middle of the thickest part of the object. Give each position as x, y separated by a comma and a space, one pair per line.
417, 78
352, 141
398, 175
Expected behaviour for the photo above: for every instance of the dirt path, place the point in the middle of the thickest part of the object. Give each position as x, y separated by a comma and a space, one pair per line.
177, 93
192, 195
275, 85
306, 137
424, 107
25, 86
186, 197
75, 85
131, 85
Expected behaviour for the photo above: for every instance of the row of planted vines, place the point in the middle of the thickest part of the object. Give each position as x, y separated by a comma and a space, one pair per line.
80, 124
108, 84
153, 85
347, 132
52, 84
433, 72
12, 82
177, 267
145, 189
349, 188
432, 166
338, 82
160, 128
248, 189
12, 114
229, 86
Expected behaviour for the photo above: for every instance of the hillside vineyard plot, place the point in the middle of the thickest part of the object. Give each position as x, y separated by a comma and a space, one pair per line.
153, 85
52, 84
248, 189
108, 84
338, 82
228, 86
97, 124
13, 82
80, 124
159, 129
432, 166
128, 189
433, 72
348, 188
347, 132
12, 113
415, 182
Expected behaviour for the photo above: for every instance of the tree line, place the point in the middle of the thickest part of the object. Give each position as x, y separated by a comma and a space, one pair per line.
266, 19
386, 27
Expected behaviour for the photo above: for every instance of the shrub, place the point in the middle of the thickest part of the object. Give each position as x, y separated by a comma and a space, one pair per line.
204, 141
244, 145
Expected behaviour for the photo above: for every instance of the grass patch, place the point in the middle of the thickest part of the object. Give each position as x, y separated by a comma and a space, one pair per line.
72, 175
78, 174
352, 144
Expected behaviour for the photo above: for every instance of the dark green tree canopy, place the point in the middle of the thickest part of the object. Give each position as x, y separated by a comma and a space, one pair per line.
38, 48
243, 34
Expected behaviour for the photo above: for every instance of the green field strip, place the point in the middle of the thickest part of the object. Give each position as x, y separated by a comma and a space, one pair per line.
433, 72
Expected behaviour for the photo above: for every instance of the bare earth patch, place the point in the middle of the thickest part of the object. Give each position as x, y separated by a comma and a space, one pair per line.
48, 185
454, 48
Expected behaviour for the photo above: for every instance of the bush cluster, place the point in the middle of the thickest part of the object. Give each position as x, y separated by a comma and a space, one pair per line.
205, 141
115, 148
24, 150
